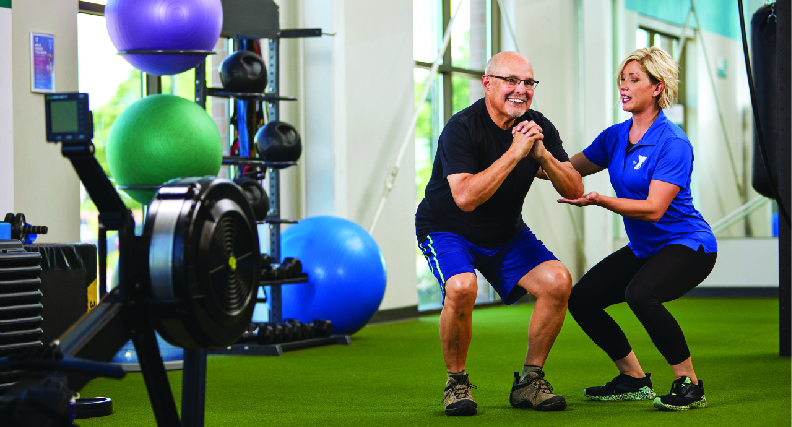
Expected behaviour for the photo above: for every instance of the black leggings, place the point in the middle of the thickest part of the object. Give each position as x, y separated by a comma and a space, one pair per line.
644, 283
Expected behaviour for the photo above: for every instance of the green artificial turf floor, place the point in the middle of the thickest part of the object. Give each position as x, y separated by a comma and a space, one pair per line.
393, 374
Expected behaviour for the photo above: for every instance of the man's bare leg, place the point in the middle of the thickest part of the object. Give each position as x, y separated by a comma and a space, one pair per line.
456, 319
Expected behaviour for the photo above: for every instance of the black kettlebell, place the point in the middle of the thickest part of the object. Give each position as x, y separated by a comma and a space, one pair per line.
278, 142
244, 72
256, 196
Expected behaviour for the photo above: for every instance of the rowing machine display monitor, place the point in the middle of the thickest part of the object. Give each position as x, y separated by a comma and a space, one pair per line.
68, 117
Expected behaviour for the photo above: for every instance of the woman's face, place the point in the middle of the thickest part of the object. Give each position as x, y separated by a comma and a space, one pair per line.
638, 93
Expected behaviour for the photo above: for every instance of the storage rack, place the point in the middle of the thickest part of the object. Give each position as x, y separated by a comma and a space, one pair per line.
265, 29
20, 304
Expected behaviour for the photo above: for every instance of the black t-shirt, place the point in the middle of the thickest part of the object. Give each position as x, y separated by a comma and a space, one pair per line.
470, 143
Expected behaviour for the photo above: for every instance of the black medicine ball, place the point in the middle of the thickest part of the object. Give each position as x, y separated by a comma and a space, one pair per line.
244, 72
256, 196
278, 142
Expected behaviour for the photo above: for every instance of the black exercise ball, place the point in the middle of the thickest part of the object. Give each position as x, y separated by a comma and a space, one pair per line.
278, 142
244, 72
256, 196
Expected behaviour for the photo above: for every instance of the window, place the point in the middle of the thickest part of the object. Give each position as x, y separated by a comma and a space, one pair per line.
455, 87
646, 37
112, 85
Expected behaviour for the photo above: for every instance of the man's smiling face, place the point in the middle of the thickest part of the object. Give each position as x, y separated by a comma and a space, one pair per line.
505, 101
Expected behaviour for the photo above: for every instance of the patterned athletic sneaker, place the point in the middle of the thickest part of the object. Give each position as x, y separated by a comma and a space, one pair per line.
684, 395
535, 392
457, 399
623, 387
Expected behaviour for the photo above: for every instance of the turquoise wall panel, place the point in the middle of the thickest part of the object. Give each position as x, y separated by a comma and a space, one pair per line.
716, 16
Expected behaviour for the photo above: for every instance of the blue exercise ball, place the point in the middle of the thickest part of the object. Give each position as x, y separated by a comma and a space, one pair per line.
346, 273
164, 25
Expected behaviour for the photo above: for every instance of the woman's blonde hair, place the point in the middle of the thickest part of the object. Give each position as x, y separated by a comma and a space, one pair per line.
660, 67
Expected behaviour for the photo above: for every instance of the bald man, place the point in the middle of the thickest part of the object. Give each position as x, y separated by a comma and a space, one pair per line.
470, 218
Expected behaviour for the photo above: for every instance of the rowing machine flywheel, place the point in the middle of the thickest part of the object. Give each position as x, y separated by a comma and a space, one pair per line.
204, 262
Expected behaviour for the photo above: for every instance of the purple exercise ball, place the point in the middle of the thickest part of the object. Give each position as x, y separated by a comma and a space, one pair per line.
164, 25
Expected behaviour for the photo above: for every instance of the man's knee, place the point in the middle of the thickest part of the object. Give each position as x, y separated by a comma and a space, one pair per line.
553, 282
559, 284
461, 289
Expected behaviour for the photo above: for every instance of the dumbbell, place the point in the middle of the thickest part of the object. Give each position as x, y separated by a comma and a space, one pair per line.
267, 272
20, 229
269, 333
303, 331
250, 335
296, 327
308, 330
289, 332
322, 328
264, 334
290, 268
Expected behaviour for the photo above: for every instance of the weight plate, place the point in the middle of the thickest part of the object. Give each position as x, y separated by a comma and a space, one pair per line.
204, 260
90, 407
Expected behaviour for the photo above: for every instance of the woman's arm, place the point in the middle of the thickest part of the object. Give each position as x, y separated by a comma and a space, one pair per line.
566, 180
661, 194
581, 164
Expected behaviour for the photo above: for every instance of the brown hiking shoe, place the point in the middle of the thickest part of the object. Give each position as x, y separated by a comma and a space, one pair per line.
457, 398
535, 392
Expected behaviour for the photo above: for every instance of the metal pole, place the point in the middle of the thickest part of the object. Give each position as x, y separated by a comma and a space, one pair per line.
102, 261
739, 214
193, 388
784, 135
683, 37
193, 404
275, 312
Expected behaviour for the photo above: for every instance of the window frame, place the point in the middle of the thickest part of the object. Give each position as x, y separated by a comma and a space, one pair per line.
445, 77
446, 69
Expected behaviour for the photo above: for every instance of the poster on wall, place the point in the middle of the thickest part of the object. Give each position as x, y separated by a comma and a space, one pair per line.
42, 62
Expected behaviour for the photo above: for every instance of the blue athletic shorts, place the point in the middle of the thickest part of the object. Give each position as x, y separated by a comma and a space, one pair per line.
449, 254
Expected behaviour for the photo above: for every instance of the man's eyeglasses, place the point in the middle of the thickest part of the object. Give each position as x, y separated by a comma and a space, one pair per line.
512, 82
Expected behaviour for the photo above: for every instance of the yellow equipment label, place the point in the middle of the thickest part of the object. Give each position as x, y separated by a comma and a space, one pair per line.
93, 295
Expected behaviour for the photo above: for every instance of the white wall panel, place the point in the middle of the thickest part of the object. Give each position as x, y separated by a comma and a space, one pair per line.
6, 115
46, 188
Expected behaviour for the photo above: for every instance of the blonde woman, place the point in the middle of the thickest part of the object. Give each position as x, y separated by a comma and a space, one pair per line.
671, 249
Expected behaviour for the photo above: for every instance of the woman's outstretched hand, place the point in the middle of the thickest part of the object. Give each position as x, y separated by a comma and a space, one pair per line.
585, 200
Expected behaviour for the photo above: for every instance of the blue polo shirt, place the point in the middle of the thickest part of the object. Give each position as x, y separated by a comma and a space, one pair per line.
665, 154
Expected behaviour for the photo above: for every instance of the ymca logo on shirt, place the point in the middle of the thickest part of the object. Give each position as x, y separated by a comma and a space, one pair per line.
640, 161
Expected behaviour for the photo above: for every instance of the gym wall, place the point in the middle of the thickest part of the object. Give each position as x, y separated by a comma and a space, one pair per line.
6, 109
356, 99
569, 45
742, 261
574, 47
379, 104
43, 184
357, 102
716, 181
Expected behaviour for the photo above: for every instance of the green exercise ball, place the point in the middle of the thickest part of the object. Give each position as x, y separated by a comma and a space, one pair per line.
160, 138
